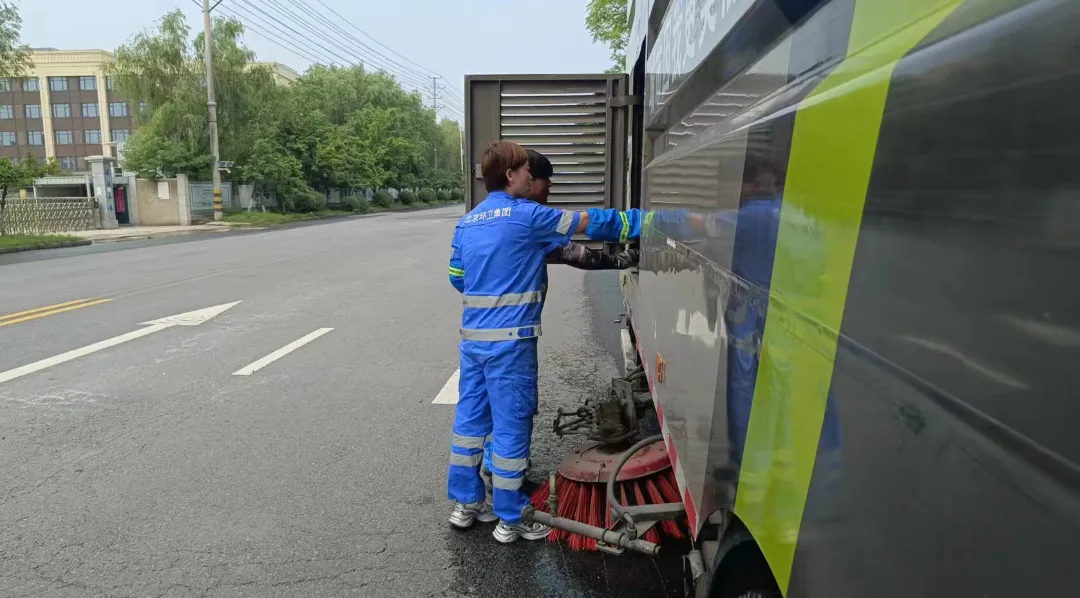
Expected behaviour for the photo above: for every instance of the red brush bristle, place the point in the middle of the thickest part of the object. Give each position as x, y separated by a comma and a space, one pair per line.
638, 496
539, 498
654, 492
596, 514
587, 503
668, 487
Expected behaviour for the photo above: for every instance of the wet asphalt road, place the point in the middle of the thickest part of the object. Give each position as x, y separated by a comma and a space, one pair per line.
147, 469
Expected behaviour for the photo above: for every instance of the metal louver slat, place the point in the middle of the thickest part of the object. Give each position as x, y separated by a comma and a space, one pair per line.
573, 206
575, 188
556, 139
596, 170
595, 200
562, 177
572, 129
548, 87
552, 119
582, 160
553, 100
553, 110
550, 149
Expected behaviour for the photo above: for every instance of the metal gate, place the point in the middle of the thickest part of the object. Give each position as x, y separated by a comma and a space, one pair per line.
577, 121
47, 215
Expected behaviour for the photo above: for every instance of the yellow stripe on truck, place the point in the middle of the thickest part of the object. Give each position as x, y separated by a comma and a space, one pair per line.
832, 154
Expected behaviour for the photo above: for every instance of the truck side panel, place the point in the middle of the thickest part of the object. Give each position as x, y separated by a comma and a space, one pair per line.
855, 279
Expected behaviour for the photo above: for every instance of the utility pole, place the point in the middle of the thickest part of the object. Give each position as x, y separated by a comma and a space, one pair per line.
212, 104
435, 89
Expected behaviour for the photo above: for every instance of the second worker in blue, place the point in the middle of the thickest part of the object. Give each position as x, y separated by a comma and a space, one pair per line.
497, 263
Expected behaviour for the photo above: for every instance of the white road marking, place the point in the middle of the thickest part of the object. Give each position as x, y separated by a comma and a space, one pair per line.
193, 318
282, 352
999, 377
449, 393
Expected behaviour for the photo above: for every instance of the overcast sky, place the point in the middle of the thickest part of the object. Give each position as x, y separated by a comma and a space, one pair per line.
449, 37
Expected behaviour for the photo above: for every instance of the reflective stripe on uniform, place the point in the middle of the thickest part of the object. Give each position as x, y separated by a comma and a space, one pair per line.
502, 483
509, 464
467, 442
565, 222
507, 300
624, 231
466, 460
500, 334
456, 271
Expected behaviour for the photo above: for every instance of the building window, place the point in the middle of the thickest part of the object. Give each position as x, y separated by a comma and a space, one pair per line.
109, 83
8, 139
92, 136
35, 137
61, 110
30, 85
67, 163
64, 138
120, 134
7, 112
33, 111
118, 109
58, 83
90, 110
88, 83
5, 84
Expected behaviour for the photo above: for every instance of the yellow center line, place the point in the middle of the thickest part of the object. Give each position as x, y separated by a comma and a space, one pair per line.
41, 312
40, 309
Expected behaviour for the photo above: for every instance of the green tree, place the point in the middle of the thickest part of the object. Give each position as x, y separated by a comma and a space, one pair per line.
164, 70
14, 56
15, 175
607, 21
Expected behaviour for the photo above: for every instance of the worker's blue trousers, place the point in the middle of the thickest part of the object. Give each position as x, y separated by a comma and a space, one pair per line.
497, 398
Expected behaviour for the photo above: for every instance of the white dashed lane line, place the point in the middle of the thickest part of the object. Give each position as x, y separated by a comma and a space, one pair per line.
449, 393
282, 352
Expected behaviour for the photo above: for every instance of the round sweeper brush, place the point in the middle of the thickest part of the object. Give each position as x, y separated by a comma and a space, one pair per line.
581, 486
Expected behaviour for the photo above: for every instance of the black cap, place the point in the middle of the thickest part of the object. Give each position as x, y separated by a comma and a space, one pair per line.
539, 166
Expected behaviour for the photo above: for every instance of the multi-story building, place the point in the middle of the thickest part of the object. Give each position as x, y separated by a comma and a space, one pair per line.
65, 108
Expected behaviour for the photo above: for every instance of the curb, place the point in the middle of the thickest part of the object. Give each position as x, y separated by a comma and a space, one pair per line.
60, 245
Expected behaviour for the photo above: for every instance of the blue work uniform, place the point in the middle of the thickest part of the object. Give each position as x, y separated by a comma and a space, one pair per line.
497, 263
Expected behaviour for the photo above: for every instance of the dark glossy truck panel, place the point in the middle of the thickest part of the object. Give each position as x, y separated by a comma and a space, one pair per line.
859, 281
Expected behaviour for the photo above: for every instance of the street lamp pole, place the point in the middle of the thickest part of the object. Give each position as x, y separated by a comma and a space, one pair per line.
212, 104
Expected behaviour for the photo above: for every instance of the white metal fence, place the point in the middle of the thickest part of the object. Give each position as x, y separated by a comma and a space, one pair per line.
45, 215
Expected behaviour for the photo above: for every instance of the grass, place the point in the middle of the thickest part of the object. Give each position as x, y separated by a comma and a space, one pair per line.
276, 218
9, 241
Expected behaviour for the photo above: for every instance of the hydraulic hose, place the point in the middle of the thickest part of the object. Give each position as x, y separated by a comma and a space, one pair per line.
620, 512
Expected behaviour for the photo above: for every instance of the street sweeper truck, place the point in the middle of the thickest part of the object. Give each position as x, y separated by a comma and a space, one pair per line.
850, 340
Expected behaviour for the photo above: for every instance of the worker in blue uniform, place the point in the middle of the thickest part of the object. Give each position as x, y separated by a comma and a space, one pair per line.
497, 263
575, 255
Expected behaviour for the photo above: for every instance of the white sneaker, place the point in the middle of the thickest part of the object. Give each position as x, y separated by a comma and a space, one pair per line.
464, 516
509, 532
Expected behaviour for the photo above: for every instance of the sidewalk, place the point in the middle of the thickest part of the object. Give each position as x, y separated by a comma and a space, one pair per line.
130, 233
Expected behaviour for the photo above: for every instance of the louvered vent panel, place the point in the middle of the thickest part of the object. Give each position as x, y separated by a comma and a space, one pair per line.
565, 121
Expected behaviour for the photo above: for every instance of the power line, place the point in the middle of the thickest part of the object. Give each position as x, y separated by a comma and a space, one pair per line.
276, 40
307, 45
389, 63
365, 34
301, 21
426, 72
300, 40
